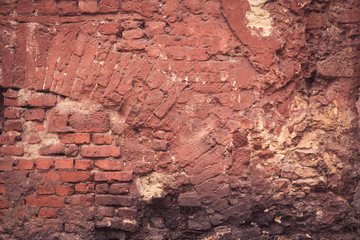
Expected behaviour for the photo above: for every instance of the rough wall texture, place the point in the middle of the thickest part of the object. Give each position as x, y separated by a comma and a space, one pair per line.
181, 119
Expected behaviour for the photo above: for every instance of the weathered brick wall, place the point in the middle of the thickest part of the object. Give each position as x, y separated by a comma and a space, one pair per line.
181, 119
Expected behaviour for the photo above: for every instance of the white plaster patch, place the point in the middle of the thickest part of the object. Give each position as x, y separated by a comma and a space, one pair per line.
84, 106
259, 19
153, 185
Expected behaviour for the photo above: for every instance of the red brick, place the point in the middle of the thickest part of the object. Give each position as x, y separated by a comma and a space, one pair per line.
64, 190
52, 149
109, 200
127, 213
88, 6
119, 188
77, 138
155, 28
348, 15
102, 212
2, 190
133, 34
51, 176
70, 75
84, 187
109, 6
71, 150
44, 163
10, 93
8, 56
4, 203
20, 213
90, 122
107, 72
40, 126
34, 114
124, 176
45, 201
11, 151
197, 54
35, 101
40, 77
46, 7
43, 100
25, 164
84, 164
165, 106
239, 139
135, 44
176, 52
14, 102
7, 138
47, 213
77, 88
109, 164
101, 139
64, 164
87, 60
49, 100
189, 200
34, 139
76, 176
65, 55
102, 151
58, 122
143, 167
46, 189
160, 145
6, 164
109, 28
12, 113
80, 44
82, 200
13, 126
68, 7
102, 188
25, 7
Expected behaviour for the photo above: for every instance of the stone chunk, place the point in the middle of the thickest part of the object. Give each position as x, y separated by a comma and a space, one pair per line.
240, 139
199, 224
189, 200
330, 67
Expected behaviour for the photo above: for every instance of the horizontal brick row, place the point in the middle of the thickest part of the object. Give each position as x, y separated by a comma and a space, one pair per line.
8, 163
52, 7
60, 122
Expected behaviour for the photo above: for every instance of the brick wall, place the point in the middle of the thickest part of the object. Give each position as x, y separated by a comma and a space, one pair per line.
193, 119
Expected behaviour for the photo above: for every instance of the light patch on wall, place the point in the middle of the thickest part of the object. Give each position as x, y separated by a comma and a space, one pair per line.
259, 20
83, 106
153, 185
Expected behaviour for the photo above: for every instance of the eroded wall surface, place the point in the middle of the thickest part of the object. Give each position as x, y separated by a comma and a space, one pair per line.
181, 119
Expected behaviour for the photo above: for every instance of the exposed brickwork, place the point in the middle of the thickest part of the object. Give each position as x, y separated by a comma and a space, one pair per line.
182, 119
